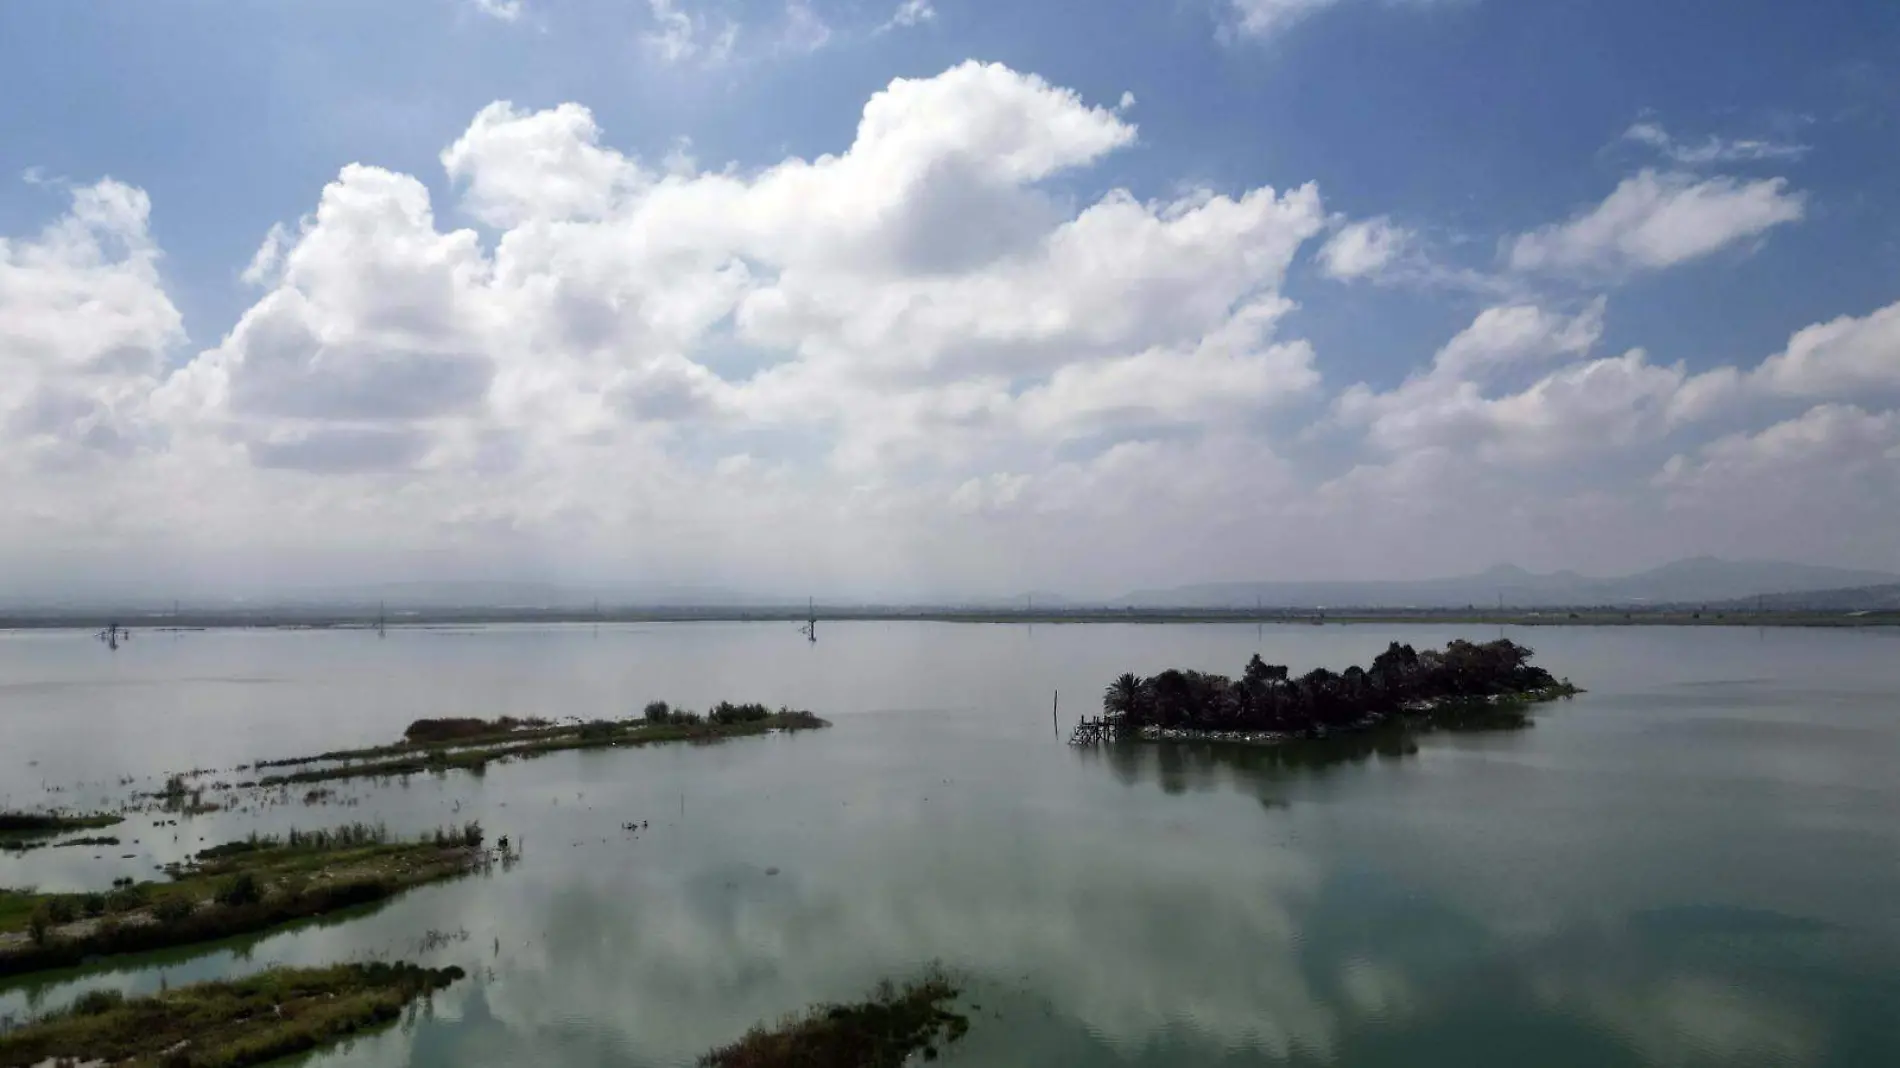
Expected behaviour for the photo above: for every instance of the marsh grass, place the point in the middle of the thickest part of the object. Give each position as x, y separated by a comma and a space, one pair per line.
439, 731
426, 735
19, 827
1505, 712
27, 845
732, 721
231, 1024
322, 840
239, 888
882, 1031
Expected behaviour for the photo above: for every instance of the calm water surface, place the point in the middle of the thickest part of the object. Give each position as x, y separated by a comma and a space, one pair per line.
1697, 863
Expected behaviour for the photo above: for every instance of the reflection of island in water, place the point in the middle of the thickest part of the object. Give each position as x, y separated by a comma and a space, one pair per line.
1186, 766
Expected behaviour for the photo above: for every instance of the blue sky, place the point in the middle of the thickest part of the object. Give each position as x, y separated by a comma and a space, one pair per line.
1752, 145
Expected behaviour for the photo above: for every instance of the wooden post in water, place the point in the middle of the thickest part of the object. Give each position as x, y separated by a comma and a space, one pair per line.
1054, 703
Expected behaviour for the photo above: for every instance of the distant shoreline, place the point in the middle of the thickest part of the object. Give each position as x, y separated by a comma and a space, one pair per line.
366, 619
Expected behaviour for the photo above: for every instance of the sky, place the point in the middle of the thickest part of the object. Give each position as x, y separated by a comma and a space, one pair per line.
905, 298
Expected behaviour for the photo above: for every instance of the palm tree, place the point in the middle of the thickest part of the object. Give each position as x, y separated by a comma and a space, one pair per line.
1122, 699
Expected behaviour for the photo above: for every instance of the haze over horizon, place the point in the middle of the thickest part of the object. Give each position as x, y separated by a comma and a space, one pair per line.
1699, 580
904, 298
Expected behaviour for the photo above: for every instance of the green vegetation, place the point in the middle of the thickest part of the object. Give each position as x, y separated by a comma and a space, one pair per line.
881, 1032
474, 752
725, 713
440, 731
658, 714
20, 827
328, 839
238, 888
22, 845
180, 798
248, 1021
1465, 686
462, 734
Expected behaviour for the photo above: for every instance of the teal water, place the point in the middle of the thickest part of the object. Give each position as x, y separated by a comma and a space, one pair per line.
1696, 863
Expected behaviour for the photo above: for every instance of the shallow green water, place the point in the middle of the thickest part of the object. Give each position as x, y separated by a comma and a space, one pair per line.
1696, 863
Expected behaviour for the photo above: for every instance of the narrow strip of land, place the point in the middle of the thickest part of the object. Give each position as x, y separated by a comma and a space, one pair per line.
231, 1024
474, 748
23, 829
240, 888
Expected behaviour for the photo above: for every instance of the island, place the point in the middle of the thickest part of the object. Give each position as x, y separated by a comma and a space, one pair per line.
1466, 685
244, 887
21, 831
886, 1030
441, 745
262, 1018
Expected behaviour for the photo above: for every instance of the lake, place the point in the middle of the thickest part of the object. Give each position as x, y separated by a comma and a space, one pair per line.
1695, 863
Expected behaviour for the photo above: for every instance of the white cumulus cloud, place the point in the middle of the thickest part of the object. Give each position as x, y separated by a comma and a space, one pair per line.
918, 359
916, 304
85, 324
1363, 249
1842, 357
1445, 404
1655, 220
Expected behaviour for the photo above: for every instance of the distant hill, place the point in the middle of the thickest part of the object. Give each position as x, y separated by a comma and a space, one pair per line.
1884, 598
492, 594
1699, 580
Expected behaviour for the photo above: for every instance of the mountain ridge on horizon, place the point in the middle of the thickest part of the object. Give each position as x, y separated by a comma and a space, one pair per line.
1693, 580
1688, 580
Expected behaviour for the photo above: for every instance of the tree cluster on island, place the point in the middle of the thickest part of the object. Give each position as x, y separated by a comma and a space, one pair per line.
1401, 681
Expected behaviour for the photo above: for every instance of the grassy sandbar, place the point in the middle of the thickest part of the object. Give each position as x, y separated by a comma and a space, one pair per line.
474, 750
248, 1021
882, 1031
235, 889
